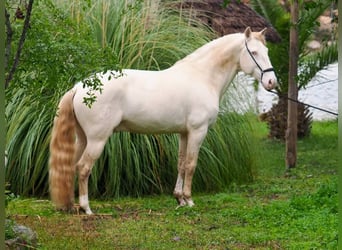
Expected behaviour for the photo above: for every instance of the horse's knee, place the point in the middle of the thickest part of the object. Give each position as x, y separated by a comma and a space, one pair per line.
190, 169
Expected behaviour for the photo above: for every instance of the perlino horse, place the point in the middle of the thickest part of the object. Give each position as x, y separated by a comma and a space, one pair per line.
182, 99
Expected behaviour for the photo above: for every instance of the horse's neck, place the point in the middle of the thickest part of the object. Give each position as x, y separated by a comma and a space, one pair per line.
219, 60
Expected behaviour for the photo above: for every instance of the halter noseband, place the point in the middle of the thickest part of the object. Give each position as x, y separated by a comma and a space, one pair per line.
257, 64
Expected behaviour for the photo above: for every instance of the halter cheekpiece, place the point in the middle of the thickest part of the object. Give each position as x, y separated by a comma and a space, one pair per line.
257, 64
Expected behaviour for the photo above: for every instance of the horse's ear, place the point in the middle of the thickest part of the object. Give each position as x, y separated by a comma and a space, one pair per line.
263, 32
248, 32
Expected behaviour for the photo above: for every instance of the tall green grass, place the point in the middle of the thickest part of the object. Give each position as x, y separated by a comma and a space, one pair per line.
84, 37
141, 34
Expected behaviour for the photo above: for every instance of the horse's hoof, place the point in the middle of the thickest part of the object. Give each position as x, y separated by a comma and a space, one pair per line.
181, 202
190, 202
87, 211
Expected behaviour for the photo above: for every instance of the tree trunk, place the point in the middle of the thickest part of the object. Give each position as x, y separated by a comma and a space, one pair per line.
9, 34
291, 132
21, 43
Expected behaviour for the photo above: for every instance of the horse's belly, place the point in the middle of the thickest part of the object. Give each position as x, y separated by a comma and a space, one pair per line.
152, 123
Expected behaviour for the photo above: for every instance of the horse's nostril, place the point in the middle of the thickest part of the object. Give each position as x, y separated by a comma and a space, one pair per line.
270, 83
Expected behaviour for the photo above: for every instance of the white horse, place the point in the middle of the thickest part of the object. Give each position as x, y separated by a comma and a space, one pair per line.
182, 99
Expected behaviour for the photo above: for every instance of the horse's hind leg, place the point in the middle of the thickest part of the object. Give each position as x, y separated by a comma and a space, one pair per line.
178, 191
91, 153
81, 142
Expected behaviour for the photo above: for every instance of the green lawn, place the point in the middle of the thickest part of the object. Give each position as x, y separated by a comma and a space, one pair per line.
295, 210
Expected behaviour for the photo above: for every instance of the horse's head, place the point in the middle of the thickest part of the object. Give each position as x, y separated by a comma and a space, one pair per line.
254, 59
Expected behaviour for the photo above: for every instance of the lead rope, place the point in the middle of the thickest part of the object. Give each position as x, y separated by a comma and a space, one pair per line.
311, 106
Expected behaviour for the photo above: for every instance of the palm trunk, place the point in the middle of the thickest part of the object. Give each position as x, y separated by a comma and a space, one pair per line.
291, 132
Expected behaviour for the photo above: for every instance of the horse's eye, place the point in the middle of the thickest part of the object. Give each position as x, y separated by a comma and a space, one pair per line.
254, 53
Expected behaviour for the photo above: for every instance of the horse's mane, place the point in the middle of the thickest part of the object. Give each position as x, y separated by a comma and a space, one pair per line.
218, 44
214, 44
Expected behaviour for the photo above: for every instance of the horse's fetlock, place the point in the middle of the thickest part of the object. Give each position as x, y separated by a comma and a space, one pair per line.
177, 194
187, 195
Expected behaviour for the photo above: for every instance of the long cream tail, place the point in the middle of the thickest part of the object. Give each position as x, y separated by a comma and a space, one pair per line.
62, 154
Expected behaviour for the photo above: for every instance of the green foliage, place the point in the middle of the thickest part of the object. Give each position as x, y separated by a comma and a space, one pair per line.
9, 232
70, 41
8, 195
57, 54
325, 198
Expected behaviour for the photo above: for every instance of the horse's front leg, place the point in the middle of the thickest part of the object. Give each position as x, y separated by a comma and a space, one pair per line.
195, 139
178, 192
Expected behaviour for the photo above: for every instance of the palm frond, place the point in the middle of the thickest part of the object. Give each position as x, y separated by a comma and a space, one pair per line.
280, 20
312, 63
279, 55
308, 22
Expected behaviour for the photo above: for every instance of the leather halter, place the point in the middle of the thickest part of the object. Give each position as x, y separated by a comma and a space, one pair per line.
257, 64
